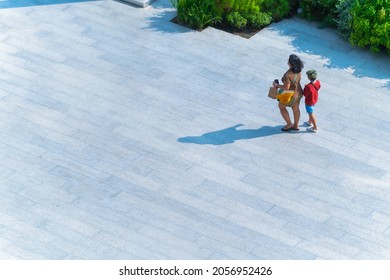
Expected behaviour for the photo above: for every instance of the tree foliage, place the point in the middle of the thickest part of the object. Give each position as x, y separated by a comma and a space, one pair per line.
371, 24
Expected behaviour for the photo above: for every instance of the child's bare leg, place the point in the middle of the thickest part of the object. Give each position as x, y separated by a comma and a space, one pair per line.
313, 120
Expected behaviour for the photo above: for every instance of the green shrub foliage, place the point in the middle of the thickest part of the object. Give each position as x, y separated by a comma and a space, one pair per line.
198, 14
371, 24
241, 6
343, 19
279, 9
249, 12
294, 5
321, 10
363, 22
259, 20
236, 20
239, 14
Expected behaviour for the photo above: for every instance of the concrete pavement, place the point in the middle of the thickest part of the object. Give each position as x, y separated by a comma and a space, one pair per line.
126, 136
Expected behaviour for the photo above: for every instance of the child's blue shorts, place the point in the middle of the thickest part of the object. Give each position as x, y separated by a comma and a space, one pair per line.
309, 109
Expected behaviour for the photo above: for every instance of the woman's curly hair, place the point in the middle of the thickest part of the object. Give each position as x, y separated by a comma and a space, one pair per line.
296, 63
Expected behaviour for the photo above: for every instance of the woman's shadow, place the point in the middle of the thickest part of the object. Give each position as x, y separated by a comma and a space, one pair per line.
230, 135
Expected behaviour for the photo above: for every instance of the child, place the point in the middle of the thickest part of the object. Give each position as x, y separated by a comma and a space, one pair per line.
311, 97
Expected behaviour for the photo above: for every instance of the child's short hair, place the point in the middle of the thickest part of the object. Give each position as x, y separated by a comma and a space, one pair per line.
311, 74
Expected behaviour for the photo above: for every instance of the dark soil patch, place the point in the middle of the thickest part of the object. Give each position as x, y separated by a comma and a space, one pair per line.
245, 32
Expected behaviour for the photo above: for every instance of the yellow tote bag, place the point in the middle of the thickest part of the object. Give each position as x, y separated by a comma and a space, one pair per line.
285, 96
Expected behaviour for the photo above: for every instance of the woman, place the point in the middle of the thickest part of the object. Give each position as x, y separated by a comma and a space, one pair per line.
291, 81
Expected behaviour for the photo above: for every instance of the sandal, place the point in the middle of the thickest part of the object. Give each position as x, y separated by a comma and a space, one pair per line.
290, 128
286, 128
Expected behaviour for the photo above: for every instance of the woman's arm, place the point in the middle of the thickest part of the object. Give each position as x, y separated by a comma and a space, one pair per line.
286, 85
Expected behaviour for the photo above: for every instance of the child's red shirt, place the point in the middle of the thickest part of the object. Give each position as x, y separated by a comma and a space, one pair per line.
311, 93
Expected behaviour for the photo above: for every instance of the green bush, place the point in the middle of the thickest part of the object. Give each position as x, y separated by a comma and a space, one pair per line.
236, 20
344, 18
248, 11
277, 8
249, 6
363, 22
371, 24
259, 20
239, 14
241, 6
294, 5
198, 14
321, 10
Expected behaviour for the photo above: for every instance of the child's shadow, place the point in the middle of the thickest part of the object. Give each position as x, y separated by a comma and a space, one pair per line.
230, 135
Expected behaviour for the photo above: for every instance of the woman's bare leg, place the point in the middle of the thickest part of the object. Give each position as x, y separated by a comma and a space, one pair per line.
285, 115
296, 113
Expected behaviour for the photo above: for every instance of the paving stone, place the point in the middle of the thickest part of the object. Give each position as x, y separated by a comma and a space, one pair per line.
141, 3
126, 136
322, 251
